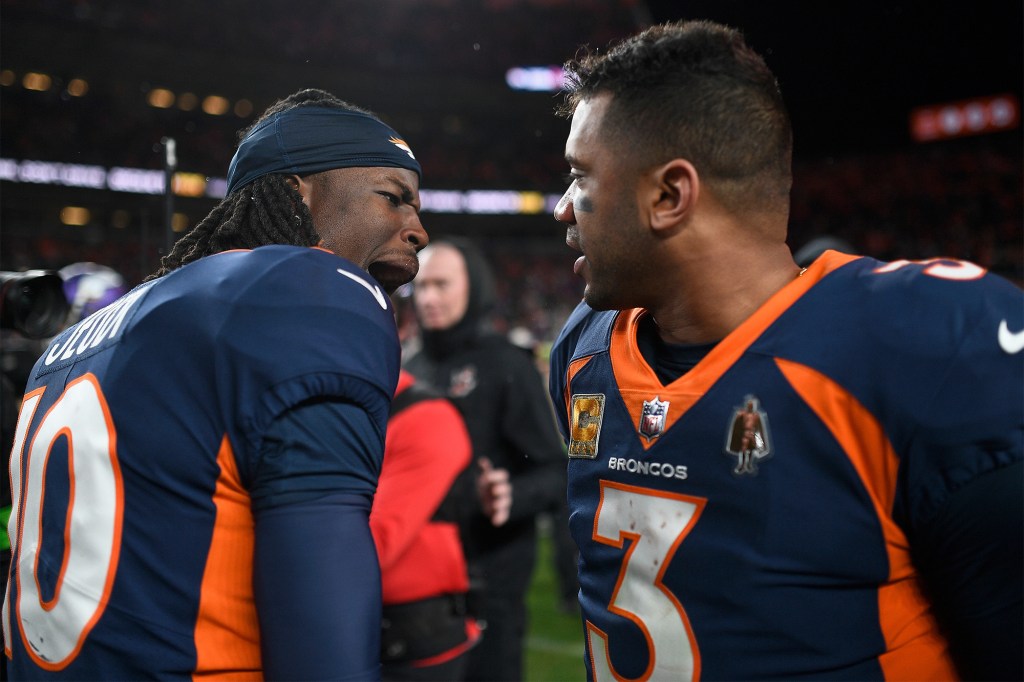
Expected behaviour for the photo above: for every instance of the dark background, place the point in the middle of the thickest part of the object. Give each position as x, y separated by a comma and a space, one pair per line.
851, 73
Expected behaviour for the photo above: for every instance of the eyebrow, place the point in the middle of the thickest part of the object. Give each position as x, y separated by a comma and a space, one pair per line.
408, 196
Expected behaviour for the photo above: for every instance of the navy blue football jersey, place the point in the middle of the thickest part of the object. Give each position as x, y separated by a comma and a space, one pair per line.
138, 449
750, 519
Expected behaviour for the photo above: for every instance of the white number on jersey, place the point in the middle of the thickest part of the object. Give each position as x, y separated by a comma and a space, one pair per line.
656, 522
54, 630
943, 268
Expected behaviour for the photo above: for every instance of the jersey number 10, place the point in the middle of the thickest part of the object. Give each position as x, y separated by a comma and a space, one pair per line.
54, 629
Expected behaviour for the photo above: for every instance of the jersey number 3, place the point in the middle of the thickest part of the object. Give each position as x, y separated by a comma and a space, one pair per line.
656, 522
54, 627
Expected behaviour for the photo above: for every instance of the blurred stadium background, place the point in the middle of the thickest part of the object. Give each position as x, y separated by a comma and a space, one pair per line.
906, 115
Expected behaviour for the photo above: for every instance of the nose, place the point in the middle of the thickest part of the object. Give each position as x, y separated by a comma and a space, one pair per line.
414, 233
425, 296
422, 293
564, 211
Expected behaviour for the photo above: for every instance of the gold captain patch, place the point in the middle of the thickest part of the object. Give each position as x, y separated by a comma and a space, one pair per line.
585, 427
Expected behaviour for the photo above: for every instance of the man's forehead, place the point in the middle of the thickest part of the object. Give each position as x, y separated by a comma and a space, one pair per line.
591, 111
403, 175
442, 259
585, 126
405, 179
398, 176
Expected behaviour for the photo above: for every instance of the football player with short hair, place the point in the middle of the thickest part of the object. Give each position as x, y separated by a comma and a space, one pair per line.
774, 472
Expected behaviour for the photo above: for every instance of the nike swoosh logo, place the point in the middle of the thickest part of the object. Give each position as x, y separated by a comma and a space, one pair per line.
1011, 342
375, 290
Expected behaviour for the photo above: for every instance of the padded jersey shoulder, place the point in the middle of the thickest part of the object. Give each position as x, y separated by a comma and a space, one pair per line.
285, 325
586, 332
926, 309
928, 349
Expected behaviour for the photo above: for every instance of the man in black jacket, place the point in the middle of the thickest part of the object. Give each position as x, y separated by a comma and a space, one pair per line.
515, 442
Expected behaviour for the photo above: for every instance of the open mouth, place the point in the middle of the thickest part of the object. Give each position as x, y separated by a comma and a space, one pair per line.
394, 273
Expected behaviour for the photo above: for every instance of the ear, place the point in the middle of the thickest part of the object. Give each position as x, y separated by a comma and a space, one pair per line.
674, 189
300, 185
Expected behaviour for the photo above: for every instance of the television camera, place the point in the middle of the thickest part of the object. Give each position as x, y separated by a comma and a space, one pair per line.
33, 303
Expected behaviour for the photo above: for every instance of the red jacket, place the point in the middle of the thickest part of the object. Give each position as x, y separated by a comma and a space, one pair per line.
426, 447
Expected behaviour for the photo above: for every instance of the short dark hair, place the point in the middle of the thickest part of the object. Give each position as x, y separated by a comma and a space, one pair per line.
694, 90
266, 211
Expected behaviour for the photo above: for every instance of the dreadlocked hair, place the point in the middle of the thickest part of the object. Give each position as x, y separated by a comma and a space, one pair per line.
268, 210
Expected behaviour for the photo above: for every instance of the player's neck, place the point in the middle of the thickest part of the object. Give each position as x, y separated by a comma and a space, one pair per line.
714, 300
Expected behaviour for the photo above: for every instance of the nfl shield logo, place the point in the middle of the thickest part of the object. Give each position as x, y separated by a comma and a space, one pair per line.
652, 418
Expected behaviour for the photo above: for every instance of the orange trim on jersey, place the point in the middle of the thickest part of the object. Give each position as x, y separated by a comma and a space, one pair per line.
29, 404
638, 382
574, 368
318, 247
227, 634
115, 467
593, 629
915, 649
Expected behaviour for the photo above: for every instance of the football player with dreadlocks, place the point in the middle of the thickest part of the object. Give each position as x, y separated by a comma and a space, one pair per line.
194, 464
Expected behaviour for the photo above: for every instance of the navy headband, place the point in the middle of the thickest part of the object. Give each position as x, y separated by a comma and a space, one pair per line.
312, 139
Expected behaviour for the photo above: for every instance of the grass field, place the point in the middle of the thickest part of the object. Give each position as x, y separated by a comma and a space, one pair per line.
554, 640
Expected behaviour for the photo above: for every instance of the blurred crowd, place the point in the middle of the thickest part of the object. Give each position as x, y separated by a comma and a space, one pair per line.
107, 129
958, 199
458, 41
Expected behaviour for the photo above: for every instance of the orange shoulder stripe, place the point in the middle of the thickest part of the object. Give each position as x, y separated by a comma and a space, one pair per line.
574, 368
915, 649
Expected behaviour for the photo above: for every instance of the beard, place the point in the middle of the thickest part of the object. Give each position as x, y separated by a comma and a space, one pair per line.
612, 287
617, 271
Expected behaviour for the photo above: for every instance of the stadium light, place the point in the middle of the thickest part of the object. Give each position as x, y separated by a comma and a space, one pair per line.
535, 78
74, 215
146, 181
187, 101
243, 108
215, 105
161, 98
39, 82
966, 117
77, 87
